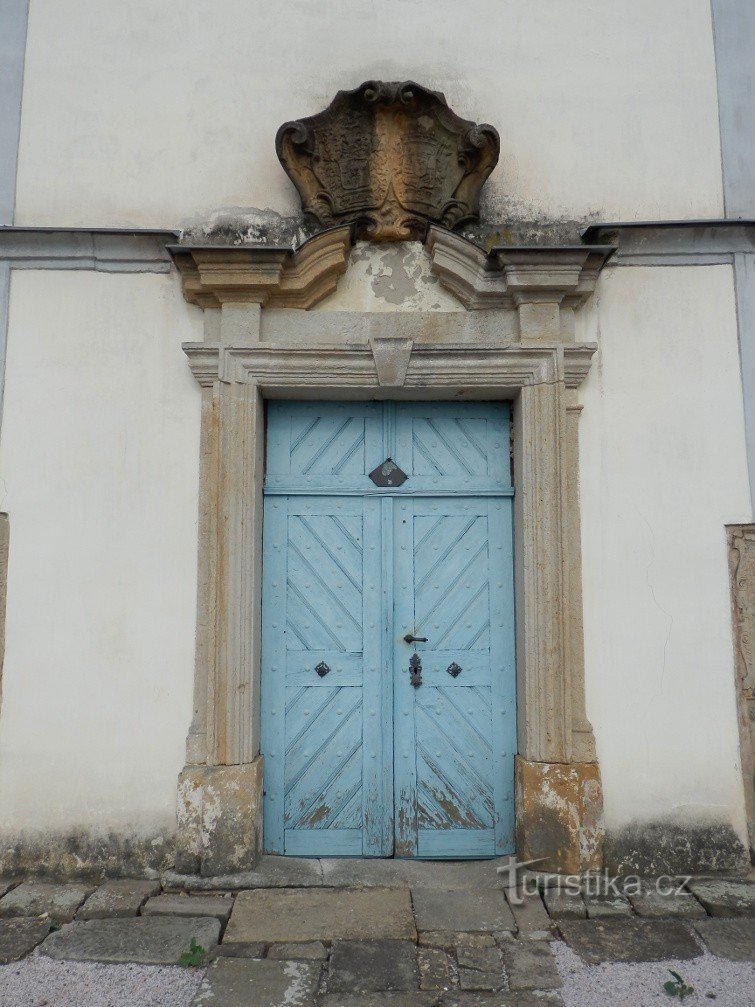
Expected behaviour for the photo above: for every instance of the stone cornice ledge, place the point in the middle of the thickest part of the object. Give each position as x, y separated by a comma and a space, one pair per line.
508, 277
214, 275
675, 242
106, 250
436, 368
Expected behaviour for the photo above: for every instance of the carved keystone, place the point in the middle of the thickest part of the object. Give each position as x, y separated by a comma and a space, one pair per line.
391, 358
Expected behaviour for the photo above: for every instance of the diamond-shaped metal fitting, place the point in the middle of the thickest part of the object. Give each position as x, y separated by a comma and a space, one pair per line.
322, 669
453, 669
388, 474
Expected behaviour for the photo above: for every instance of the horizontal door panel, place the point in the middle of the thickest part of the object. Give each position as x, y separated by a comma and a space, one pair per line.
448, 668
415, 486
333, 843
454, 844
323, 668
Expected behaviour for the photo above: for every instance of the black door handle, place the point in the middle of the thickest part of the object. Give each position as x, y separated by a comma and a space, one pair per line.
410, 638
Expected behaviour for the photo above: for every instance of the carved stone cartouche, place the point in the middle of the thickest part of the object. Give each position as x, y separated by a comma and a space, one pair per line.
392, 158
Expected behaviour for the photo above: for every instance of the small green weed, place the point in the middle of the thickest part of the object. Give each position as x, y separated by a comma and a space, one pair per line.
194, 957
677, 987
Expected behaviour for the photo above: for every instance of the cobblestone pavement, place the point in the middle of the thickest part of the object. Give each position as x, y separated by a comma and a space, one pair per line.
346, 933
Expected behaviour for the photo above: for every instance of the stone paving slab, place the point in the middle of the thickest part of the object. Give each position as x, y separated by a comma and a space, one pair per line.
241, 950
295, 915
601, 907
117, 898
733, 939
462, 910
437, 939
189, 905
530, 965
530, 915
313, 951
6, 884
20, 936
463, 940
271, 872
651, 903
450, 939
722, 897
562, 905
629, 940
413, 999
34, 898
435, 968
372, 966
238, 982
148, 940
521, 998
480, 968
464, 875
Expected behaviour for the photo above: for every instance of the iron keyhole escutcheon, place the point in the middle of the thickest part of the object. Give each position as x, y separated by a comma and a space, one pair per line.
415, 671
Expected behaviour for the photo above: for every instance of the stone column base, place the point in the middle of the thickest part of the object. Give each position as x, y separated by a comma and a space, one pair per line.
559, 815
219, 819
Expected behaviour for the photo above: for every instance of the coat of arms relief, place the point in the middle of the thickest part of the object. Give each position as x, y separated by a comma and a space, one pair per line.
391, 158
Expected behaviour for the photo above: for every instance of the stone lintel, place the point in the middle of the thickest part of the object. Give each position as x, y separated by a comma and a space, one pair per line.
219, 818
559, 815
435, 371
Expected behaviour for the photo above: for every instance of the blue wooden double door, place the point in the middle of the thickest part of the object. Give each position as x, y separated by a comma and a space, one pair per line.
388, 678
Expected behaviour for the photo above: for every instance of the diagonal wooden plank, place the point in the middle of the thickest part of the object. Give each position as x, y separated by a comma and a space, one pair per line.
298, 723
317, 536
323, 446
468, 711
337, 787
351, 815
296, 596
452, 449
467, 801
316, 779
479, 594
426, 453
464, 425
448, 590
474, 769
324, 586
445, 553
298, 440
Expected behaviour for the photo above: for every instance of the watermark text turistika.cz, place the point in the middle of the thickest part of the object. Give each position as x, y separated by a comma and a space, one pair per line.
522, 883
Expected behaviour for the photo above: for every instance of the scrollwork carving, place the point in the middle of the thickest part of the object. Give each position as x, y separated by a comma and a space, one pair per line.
390, 156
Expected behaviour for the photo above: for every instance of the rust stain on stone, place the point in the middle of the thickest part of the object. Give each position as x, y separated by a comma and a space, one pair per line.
559, 815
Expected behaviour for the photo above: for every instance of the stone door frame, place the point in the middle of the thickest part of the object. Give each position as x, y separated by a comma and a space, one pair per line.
531, 296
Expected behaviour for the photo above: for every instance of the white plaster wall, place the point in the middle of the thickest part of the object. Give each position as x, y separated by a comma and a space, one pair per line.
663, 469
151, 114
98, 468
